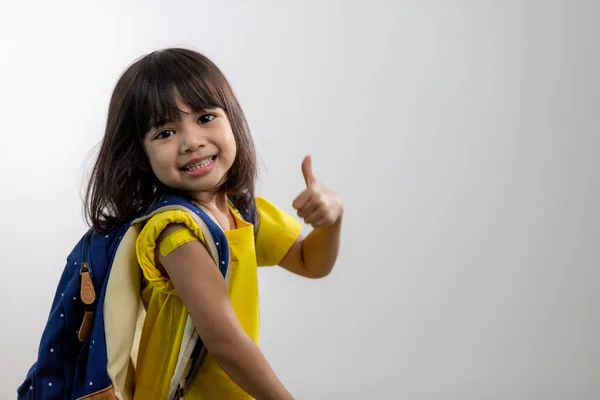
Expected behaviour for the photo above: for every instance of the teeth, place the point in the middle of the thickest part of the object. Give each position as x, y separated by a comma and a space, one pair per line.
201, 164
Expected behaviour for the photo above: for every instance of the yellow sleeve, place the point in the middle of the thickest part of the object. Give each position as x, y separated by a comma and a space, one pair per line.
146, 244
277, 232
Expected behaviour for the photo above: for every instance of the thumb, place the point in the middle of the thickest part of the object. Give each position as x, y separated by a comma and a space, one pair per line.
309, 177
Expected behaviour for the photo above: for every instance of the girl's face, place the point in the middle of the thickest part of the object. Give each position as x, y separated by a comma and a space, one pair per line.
193, 154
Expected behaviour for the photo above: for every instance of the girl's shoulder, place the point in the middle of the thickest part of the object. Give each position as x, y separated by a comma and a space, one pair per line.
174, 225
264, 205
269, 209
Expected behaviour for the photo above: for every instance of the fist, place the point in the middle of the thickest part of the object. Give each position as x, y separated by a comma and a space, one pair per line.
317, 205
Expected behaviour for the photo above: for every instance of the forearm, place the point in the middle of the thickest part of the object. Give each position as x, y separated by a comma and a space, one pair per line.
246, 365
320, 249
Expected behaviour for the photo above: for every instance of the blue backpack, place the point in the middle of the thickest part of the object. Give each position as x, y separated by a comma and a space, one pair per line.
86, 348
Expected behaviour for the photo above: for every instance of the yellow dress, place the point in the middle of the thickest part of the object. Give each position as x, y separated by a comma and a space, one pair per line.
166, 315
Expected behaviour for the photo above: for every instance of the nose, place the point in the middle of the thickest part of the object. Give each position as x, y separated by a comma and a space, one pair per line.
191, 140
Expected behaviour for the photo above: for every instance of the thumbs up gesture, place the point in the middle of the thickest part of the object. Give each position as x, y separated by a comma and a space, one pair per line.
317, 205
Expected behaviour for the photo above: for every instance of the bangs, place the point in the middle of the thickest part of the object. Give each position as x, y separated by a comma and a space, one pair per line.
164, 78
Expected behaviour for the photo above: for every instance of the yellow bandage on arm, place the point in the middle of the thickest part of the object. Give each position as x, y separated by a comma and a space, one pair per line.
176, 239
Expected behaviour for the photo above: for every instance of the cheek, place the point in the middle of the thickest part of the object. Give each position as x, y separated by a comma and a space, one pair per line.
158, 160
230, 146
233, 148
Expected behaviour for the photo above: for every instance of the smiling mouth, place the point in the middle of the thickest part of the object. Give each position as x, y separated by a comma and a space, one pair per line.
201, 164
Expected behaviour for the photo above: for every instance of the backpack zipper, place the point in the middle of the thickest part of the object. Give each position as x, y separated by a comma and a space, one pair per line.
86, 291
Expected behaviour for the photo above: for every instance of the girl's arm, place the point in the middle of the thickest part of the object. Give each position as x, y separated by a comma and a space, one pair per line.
201, 287
315, 256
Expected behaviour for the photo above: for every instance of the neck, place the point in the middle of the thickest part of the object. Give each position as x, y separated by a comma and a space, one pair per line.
212, 200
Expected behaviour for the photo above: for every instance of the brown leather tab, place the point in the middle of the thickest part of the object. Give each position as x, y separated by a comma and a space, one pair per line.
105, 394
86, 326
88, 294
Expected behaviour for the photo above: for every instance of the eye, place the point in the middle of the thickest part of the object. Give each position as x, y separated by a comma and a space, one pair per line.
165, 134
206, 118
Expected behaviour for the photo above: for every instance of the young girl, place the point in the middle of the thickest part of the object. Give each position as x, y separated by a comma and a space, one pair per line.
175, 126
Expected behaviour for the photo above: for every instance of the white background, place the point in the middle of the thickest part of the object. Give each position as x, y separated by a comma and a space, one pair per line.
463, 137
